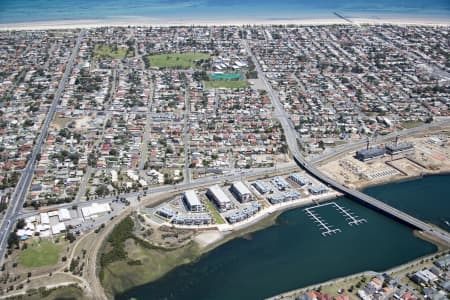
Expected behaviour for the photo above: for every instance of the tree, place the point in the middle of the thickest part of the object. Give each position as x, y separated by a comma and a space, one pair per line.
13, 239
101, 190
70, 237
20, 224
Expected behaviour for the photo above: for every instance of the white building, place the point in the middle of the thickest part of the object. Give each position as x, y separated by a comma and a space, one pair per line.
64, 214
114, 176
58, 228
95, 209
192, 201
217, 195
241, 191
45, 219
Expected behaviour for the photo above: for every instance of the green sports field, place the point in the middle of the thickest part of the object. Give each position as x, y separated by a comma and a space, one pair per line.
40, 254
103, 51
230, 84
176, 60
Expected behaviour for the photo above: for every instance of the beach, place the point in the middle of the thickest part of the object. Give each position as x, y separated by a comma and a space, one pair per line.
145, 22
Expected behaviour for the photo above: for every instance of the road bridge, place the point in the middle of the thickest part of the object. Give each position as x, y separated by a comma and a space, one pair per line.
293, 142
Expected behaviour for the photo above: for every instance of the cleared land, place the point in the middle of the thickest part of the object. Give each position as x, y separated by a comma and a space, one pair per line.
176, 60
61, 122
412, 124
229, 84
103, 51
40, 254
214, 213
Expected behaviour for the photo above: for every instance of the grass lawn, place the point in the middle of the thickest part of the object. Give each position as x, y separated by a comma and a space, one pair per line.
412, 124
40, 254
176, 60
104, 51
230, 84
214, 213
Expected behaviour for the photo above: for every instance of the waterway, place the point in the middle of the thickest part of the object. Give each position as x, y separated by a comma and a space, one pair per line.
293, 253
427, 199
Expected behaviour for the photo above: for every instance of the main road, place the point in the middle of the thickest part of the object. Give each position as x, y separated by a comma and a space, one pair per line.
27, 174
13, 212
380, 139
291, 139
193, 184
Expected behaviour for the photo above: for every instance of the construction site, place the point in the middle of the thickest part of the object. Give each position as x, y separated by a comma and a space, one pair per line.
398, 159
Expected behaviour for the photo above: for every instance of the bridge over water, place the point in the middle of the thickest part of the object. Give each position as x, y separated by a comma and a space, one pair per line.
292, 141
374, 203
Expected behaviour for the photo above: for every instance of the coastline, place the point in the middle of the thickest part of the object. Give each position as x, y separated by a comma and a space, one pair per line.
268, 220
202, 246
397, 179
255, 224
147, 22
335, 281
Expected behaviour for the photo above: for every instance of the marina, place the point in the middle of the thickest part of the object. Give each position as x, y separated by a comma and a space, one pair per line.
291, 259
328, 229
324, 226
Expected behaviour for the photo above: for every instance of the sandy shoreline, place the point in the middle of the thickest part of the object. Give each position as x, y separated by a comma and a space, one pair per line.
92, 23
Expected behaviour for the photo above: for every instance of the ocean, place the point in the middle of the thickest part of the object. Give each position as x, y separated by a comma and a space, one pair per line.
27, 11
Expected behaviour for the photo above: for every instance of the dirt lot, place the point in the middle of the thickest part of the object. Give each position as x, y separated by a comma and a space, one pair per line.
431, 155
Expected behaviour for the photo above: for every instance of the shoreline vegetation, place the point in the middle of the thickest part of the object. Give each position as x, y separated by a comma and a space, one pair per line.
124, 276
139, 21
333, 285
154, 262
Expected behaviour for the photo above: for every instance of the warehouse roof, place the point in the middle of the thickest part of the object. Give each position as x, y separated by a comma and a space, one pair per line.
219, 194
241, 188
192, 198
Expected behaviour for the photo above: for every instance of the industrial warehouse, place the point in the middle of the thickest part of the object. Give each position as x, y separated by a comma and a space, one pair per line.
399, 148
370, 153
391, 149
